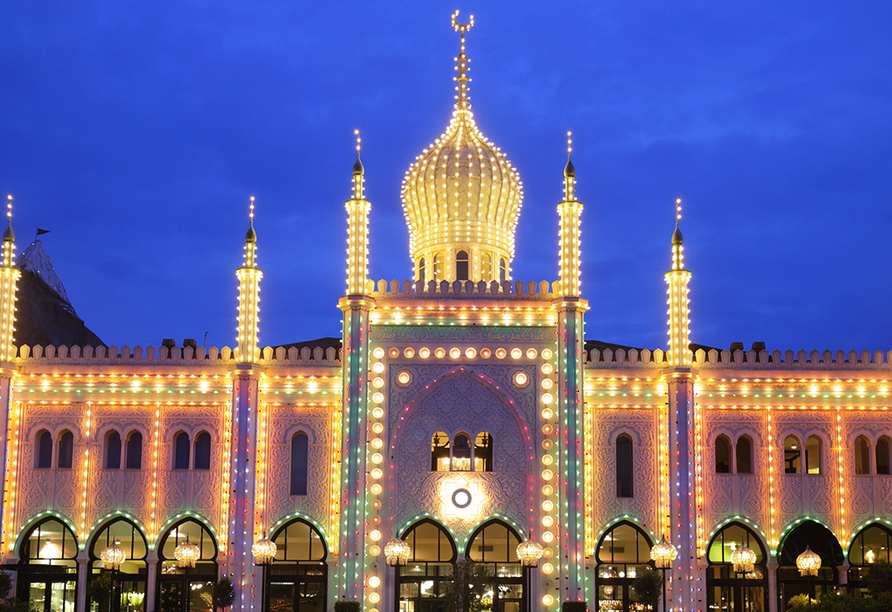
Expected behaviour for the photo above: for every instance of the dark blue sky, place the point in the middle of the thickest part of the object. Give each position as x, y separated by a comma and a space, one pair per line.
136, 132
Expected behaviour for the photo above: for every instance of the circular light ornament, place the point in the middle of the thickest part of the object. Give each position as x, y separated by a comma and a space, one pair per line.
529, 552
374, 597
808, 563
397, 552
546, 353
377, 458
375, 489
547, 600
743, 559
409, 352
461, 498
548, 568
378, 367
374, 550
377, 473
186, 554
500, 353
663, 554
264, 551
547, 368
547, 536
377, 397
547, 383
394, 352
377, 443
424, 353
374, 535
440, 353
485, 353
378, 382
378, 353
113, 556
470, 353
521, 379
516, 353
374, 582
548, 505
531, 353
378, 412
547, 398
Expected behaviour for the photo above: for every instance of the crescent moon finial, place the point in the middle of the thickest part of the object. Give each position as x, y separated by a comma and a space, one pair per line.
461, 27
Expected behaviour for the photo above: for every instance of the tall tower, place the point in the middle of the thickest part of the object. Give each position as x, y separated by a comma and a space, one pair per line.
244, 522
677, 278
570, 310
10, 275
685, 594
356, 306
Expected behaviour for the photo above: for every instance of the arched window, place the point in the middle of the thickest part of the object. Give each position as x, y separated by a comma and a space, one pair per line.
486, 263
66, 450
421, 271
462, 266
438, 267
870, 546
203, 451
131, 578
113, 450
461, 452
134, 451
300, 448
503, 270
723, 455
44, 454
181, 451
624, 464
822, 542
744, 455
431, 562
792, 455
622, 553
483, 452
440, 452
730, 590
813, 455
883, 455
48, 569
495, 545
298, 576
180, 586
862, 455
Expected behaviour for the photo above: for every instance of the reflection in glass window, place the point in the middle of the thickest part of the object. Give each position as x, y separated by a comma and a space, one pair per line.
792, 455
813, 455
44, 452
113, 450
723, 455
203, 451
181, 451
862, 455
744, 455
883, 455
66, 450
134, 451
483, 452
622, 554
461, 452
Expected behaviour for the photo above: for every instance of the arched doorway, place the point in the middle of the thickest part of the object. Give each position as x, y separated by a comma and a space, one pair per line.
731, 591
48, 570
623, 552
421, 581
494, 544
870, 546
822, 542
124, 589
186, 589
296, 579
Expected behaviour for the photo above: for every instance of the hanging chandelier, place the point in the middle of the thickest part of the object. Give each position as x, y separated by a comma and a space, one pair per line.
743, 559
529, 552
187, 554
663, 554
113, 556
397, 552
808, 563
264, 551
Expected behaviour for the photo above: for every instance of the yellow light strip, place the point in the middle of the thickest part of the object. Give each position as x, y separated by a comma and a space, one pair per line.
85, 473
12, 451
155, 450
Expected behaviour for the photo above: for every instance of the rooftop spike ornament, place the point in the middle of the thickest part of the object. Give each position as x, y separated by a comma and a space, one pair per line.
569, 173
463, 98
358, 170
249, 276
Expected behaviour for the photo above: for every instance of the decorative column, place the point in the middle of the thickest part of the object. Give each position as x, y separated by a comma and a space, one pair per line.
356, 306
686, 579
151, 578
570, 309
243, 518
10, 275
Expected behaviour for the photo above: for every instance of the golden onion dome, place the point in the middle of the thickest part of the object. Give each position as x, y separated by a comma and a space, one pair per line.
462, 193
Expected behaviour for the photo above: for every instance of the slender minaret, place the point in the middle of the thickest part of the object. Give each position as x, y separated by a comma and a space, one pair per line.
243, 523
11, 276
685, 578
356, 306
248, 299
570, 341
677, 278
7, 345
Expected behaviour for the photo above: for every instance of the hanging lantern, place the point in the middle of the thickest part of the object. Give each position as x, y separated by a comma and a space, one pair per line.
743, 559
663, 554
529, 552
608, 589
264, 551
113, 556
808, 563
186, 554
397, 552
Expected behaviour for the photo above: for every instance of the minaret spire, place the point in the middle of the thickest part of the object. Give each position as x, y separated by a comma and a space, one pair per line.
570, 249
462, 99
677, 279
357, 229
11, 275
358, 170
249, 298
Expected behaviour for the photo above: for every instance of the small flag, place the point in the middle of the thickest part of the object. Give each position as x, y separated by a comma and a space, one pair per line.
42, 231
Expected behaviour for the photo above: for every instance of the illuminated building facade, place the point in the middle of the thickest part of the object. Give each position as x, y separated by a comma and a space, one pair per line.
462, 416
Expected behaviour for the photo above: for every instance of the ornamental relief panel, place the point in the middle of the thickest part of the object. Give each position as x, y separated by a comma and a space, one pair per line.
789, 496
860, 492
717, 494
884, 496
460, 403
821, 493
454, 335
524, 398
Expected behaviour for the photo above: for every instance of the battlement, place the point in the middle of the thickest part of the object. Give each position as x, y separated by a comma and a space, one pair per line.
179, 355
715, 359
446, 289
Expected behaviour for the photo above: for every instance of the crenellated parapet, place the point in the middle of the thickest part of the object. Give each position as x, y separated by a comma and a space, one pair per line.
505, 290
757, 360
198, 356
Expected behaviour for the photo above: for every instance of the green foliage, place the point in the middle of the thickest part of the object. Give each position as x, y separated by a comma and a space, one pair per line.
346, 606
470, 582
801, 600
5, 585
224, 593
647, 586
834, 602
878, 580
574, 606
